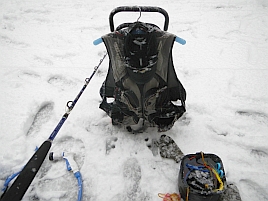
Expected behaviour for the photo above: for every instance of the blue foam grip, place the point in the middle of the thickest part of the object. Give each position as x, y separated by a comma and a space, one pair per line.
97, 41
180, 40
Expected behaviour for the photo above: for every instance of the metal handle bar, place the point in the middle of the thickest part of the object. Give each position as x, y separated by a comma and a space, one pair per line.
138, 9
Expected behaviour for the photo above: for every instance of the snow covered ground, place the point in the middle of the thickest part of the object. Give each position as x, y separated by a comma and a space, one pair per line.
46, 52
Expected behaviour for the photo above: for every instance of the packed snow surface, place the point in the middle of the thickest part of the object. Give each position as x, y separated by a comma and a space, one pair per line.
46, 52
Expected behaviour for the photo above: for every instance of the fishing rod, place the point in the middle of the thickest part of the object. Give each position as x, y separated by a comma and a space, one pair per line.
27, 174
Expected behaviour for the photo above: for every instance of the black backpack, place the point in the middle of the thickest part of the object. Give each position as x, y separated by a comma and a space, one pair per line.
201, 177
142, 84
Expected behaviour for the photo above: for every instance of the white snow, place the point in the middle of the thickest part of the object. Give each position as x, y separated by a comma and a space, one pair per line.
46, 52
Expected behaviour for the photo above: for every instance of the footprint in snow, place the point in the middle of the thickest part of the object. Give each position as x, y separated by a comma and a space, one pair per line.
256, 116
43, 60
60, 81
132, 177
13, 42
259, 153
42, 116
249, 188
29, 75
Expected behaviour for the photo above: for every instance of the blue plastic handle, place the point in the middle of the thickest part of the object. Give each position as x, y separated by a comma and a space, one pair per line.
177, 39
97, 41
180, 40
